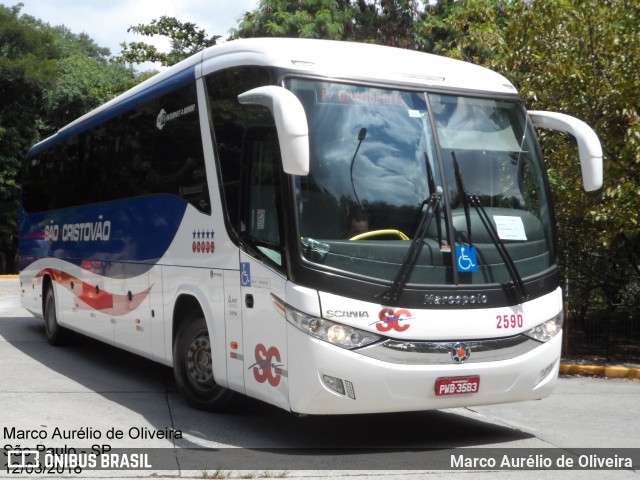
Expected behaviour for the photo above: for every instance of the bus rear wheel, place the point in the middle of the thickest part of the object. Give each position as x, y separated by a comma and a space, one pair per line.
193, 366
56, 335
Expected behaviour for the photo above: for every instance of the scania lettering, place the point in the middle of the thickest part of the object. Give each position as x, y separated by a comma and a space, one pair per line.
329, 227
347, 314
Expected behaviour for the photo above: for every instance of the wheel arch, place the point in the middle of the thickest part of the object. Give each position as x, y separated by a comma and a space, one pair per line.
47, 283
186, 301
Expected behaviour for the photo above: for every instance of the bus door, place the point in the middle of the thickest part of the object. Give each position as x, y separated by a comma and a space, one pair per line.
233, 331
262, 268
264, 333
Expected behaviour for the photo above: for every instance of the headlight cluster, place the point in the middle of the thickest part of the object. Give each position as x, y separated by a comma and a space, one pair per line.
332, 332
547, 330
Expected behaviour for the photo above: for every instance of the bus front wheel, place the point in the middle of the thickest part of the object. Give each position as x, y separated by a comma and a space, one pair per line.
193, 367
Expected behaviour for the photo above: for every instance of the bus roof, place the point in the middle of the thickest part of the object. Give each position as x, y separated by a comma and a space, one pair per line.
327, 58
341, 59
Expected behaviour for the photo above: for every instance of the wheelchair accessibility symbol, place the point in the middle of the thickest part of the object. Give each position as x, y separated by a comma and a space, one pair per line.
245, 274
466, 259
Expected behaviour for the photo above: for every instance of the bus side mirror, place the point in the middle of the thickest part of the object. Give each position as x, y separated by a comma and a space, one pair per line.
291, 124
589, 146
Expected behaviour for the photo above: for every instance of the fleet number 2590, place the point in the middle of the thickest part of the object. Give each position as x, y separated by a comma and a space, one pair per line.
513, 320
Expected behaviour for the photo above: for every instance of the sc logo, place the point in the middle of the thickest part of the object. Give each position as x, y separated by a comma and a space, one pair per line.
388, 319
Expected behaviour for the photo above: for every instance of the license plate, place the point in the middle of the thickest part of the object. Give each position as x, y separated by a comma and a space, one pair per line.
457, 385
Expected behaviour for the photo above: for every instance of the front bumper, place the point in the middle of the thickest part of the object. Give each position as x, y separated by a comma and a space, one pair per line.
379, 386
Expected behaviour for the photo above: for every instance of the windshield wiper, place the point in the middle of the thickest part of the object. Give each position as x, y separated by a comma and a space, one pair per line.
463, 195
361, 136
474, 200
432, 188
391, 294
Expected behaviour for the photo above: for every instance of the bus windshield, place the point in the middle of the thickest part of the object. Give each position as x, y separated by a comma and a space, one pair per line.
381, 160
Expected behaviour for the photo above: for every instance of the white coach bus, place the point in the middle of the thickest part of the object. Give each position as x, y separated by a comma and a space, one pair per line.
329, 227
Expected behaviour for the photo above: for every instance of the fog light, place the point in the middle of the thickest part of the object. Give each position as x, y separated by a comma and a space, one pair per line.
544, 374
334, 384
351, 393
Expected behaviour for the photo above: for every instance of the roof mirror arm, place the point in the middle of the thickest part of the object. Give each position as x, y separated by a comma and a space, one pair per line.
291, 124
589, 146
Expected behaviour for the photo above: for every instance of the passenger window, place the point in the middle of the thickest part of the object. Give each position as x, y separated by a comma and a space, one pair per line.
177, 165
153, 148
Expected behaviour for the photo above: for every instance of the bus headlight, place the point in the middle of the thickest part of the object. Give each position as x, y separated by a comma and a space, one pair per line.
332, 332
547, 330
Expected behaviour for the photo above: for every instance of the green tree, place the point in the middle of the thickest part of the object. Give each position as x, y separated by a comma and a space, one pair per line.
388, 22
326, 19
582, 57
468, 30
48, 77
27, 70
86, 79
185, 40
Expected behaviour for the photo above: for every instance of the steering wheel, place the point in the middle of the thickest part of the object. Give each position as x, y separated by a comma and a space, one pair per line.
376, 233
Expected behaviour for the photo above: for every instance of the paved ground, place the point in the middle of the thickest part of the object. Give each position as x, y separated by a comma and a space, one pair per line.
103, 396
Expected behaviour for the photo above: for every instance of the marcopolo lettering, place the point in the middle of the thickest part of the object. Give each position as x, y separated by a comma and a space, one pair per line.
477, 299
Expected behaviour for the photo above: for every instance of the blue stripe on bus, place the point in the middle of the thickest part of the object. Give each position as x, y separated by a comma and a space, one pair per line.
180, 80
138, 230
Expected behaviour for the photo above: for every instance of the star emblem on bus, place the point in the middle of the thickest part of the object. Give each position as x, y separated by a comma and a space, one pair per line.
460, 352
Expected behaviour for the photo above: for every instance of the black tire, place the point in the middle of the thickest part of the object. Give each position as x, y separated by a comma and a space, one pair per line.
56, 335
193, 368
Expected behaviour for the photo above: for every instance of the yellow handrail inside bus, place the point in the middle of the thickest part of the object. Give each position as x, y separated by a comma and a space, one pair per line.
376, 233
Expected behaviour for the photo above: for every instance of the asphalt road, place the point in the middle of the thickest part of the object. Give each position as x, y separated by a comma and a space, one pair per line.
103, 396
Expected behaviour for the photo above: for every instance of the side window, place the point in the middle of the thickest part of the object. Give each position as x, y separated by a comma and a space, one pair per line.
177, 165
153, 148
249, 162
230, 122
132, 148
262, 217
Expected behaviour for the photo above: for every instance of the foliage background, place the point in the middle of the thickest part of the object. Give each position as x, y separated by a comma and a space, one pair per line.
48, 77
581, 57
